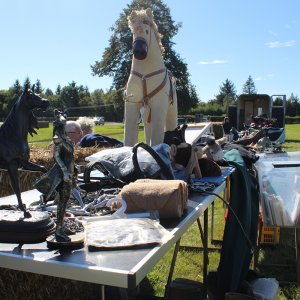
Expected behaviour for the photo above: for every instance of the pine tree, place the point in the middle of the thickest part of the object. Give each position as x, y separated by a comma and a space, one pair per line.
249, 86
38, 87
227, 93
27, 84
69, 95
58, 90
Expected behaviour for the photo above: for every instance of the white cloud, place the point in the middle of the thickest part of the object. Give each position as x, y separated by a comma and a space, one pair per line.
263, 78
260, 78
212, 62
278, 44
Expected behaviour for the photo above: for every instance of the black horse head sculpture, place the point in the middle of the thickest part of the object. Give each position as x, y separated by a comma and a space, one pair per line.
14, 148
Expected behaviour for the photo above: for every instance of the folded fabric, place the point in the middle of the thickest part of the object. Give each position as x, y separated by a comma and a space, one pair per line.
168, 197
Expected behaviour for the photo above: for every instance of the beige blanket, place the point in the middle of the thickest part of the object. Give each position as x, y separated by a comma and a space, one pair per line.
168, 197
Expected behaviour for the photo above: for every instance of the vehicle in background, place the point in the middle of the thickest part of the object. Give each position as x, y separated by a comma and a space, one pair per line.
260, 111
181, 121
201, 118
99, 120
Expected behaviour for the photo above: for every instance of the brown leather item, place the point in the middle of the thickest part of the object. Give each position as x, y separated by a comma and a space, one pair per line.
209, 168
168, 197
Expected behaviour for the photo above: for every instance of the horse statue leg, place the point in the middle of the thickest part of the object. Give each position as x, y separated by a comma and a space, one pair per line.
132, 117
12, 169
171, 121
159, 109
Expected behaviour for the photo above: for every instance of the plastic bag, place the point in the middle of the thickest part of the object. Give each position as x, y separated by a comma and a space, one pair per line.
140, 161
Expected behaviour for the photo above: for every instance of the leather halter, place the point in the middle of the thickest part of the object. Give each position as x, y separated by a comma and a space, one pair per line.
146, 96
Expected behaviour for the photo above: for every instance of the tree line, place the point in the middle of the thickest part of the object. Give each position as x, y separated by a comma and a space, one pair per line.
76, 99
79, 101
116, 63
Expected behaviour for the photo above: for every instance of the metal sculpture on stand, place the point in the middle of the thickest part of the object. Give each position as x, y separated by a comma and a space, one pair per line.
20, 225
14, 148
60, 179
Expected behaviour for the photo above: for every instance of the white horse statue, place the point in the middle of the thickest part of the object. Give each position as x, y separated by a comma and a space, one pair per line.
150, 92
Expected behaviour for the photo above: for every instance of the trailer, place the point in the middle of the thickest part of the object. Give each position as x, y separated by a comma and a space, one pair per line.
260, 110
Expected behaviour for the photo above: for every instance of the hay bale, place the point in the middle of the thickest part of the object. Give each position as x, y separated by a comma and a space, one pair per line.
23, 285
26, 179
44, 157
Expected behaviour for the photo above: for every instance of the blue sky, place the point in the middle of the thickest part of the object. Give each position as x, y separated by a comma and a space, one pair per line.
56, 41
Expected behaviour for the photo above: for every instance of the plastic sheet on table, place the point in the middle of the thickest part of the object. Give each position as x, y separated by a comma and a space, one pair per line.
124, 234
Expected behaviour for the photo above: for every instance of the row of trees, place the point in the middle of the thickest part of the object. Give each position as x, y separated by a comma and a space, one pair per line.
77, 99
80, 101
116, 63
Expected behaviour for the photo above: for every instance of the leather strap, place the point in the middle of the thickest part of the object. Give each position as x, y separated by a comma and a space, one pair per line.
146, 96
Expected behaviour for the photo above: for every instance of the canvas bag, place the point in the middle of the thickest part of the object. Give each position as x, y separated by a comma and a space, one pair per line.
168, 197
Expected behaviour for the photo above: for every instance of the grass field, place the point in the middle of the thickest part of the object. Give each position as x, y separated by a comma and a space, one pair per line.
189, 263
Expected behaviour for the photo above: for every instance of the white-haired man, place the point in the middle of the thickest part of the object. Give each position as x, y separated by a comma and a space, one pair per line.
73, 131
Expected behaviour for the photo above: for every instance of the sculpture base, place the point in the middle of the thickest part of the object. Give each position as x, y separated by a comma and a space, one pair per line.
14, 228
77, 242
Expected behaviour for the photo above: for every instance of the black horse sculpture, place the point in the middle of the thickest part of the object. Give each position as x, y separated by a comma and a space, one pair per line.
14, 148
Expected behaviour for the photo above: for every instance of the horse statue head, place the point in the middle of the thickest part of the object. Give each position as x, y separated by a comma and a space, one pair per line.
150, 93
14, 148
144, 30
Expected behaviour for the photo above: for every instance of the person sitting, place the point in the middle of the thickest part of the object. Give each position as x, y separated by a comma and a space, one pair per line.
88, 138
87, 125
98, 140
74, 131
229, 130
227, 125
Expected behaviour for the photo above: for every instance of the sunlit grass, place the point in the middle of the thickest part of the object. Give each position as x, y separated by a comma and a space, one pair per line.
44, 135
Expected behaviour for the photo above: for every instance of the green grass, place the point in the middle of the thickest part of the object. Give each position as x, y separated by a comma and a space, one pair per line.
189, 263
44, 135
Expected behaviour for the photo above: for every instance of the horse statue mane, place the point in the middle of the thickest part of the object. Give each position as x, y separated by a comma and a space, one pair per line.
150, 93
14, 148
10, 123
144, 16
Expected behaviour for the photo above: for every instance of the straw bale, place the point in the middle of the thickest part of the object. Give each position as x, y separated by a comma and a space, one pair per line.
23, 285
44, 157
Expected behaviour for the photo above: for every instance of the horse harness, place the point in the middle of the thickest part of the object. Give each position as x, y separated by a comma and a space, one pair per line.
147, 96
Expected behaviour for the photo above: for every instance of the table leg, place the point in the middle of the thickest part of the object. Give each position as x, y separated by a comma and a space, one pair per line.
205, 253
297, 246
102, 292
212, 221
172, 267
257, 247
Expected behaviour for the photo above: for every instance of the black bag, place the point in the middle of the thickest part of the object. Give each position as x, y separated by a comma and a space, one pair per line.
181, 289
176, 136
128, 164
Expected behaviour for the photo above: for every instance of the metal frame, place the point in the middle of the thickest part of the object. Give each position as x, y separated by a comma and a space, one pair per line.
120, 268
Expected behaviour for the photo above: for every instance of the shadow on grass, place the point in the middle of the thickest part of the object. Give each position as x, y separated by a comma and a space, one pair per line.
292, 141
